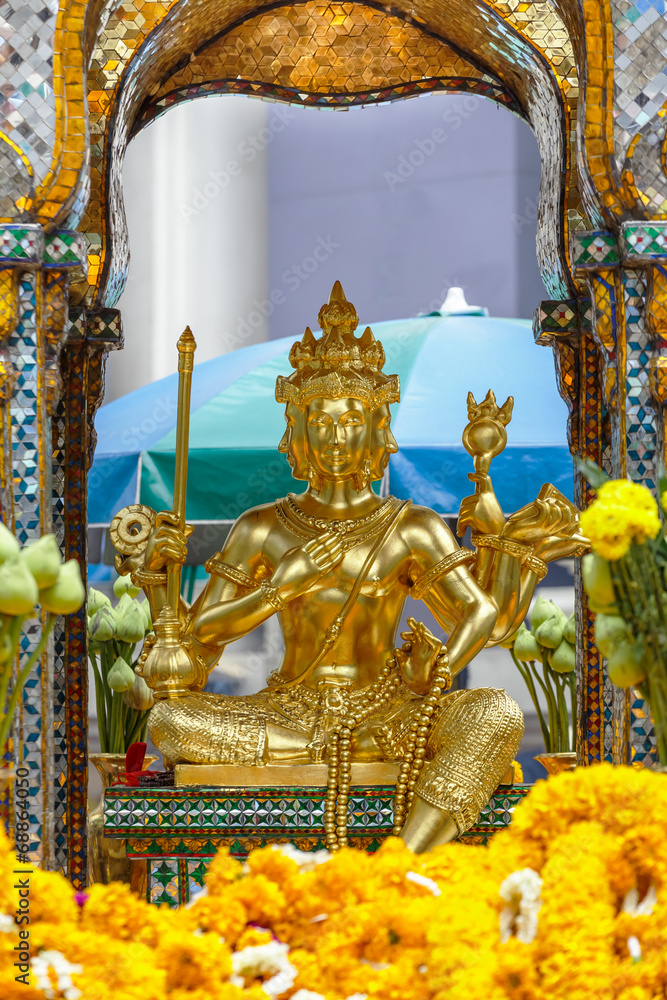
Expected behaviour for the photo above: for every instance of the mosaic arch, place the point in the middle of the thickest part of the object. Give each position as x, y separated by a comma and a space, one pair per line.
327, 54
81, 77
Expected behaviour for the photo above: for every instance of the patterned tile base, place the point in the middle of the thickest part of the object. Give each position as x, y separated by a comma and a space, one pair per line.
176, 831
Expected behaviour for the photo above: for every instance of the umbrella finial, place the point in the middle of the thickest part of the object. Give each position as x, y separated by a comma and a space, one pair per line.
455, 305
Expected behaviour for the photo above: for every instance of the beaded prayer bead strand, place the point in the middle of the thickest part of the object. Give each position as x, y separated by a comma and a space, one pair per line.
413, 762
340, 753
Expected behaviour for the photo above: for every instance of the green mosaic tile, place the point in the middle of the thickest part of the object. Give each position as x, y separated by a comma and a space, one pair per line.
644, 241
66, 250
561, 318
593, 250
21, 244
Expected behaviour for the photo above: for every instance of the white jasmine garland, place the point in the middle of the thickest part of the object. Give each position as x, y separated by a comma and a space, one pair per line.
264, 960
522, 891
46, 961
307, 995
635, 949
306, 860
427, 883
7, 925
632, 905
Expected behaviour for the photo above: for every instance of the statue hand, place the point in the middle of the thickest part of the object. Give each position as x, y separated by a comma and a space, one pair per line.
300, 568
549, 525
167, 544
417, 656
481, 510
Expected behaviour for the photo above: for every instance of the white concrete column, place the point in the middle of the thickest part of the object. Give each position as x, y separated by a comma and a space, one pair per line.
195, 184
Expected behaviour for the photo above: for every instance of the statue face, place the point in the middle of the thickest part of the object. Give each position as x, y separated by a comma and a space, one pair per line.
337, 434
383, 442
293, 442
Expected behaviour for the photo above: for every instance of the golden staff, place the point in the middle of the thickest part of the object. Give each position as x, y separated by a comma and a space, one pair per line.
187, 346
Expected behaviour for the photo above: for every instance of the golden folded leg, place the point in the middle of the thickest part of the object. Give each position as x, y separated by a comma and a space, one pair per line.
474, 739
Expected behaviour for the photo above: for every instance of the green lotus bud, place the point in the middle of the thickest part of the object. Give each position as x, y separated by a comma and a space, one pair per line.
124, 603
139, 696
130, 624
610, 632
598, 583
625, 666
18, 589
544, 611
44, 560
97, 600
526, 647
102, 625
9, 546
549, 634
121, 676
511, 639
570, 630
563, 661
67, 594
123, 585
146, 608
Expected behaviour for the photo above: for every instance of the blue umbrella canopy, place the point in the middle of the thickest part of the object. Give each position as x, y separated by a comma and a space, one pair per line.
236, 424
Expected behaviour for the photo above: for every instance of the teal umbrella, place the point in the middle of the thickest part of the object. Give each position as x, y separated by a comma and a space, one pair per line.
236, 424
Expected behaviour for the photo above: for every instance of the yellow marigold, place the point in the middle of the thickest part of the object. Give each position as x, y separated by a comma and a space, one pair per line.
622, 513
209, 914
578, 912
193, 962
115, 910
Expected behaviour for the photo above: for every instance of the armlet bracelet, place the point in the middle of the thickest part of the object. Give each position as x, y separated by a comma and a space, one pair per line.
427, 579
505, 545
143, 578
271, 596
536, 566
219, 568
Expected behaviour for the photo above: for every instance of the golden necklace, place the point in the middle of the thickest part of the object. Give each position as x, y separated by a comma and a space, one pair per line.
353, 531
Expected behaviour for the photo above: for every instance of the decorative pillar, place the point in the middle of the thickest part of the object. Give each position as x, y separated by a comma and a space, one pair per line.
91, 336
626, 276
36, 269
567, 326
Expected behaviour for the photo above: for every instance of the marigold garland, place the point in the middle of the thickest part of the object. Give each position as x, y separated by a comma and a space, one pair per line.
568, 903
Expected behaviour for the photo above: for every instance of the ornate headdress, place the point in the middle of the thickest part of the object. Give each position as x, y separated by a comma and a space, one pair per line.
338, 364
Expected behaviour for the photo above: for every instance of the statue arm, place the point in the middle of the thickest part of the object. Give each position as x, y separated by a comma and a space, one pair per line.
440, 578
233, 601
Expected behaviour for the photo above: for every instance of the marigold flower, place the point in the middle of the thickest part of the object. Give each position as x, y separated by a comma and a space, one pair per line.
622, 513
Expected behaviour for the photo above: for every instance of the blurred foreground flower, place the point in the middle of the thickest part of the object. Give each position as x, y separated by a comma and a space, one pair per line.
32, 576
624, 578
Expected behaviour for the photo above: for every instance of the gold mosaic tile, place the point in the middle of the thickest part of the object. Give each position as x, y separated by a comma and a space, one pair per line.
342, 47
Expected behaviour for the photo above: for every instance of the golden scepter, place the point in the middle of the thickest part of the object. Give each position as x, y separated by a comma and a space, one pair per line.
168, 668
186, 353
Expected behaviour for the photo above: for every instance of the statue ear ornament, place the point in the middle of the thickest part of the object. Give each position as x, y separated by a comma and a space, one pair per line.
361, 479
315, 478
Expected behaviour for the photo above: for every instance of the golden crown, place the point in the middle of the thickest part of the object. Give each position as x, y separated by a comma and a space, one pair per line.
339, 364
